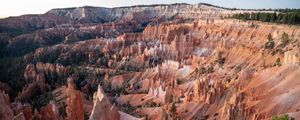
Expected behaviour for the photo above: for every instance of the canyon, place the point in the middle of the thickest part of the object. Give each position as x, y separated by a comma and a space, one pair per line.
156, 62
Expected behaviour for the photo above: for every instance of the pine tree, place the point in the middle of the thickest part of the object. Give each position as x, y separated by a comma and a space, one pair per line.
286, 16
173, 109
284, 39
270, 37
270, 44
278, 62
273, 17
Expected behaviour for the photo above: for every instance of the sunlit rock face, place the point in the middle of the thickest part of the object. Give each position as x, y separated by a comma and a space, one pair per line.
154, 62
98, 14
291, 58
103, 109
74, 107
208, 91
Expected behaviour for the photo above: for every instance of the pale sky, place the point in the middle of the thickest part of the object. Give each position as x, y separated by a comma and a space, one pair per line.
19, 7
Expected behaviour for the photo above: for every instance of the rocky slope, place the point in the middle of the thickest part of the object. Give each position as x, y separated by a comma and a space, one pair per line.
99, 14
176, 61
103, 109
23, 34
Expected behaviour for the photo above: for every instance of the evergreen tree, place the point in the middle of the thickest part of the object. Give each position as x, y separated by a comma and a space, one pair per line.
270, 44
278, 62
286, 16
284, 39
270, 37
173, 109
273, 17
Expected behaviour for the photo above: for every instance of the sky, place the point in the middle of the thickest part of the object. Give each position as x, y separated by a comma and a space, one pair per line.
20, 7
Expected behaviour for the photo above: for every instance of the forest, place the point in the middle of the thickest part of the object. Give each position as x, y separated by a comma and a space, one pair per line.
282, 16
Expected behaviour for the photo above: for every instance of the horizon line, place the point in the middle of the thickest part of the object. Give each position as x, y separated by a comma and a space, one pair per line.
148, 5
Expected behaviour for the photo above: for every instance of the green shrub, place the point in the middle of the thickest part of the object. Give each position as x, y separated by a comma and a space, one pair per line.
284, 40
220, 59
173, 109
11, 73
41, 99
210, 69
202, 70
278, 62
283, 117
270, 44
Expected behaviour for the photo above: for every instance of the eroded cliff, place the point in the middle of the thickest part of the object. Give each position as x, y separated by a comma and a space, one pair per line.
151, 62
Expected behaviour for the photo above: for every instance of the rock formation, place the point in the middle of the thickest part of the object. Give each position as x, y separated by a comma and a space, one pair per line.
35, 76
50, 112
291, 58
103, 110
208, 91
234, 109
92, 14
74, 107
13, 111
6, 112
147, 59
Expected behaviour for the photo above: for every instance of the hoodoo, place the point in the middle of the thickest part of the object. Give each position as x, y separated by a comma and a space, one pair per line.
151, 62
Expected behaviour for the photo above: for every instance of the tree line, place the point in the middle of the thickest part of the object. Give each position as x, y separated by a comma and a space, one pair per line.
283, 16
